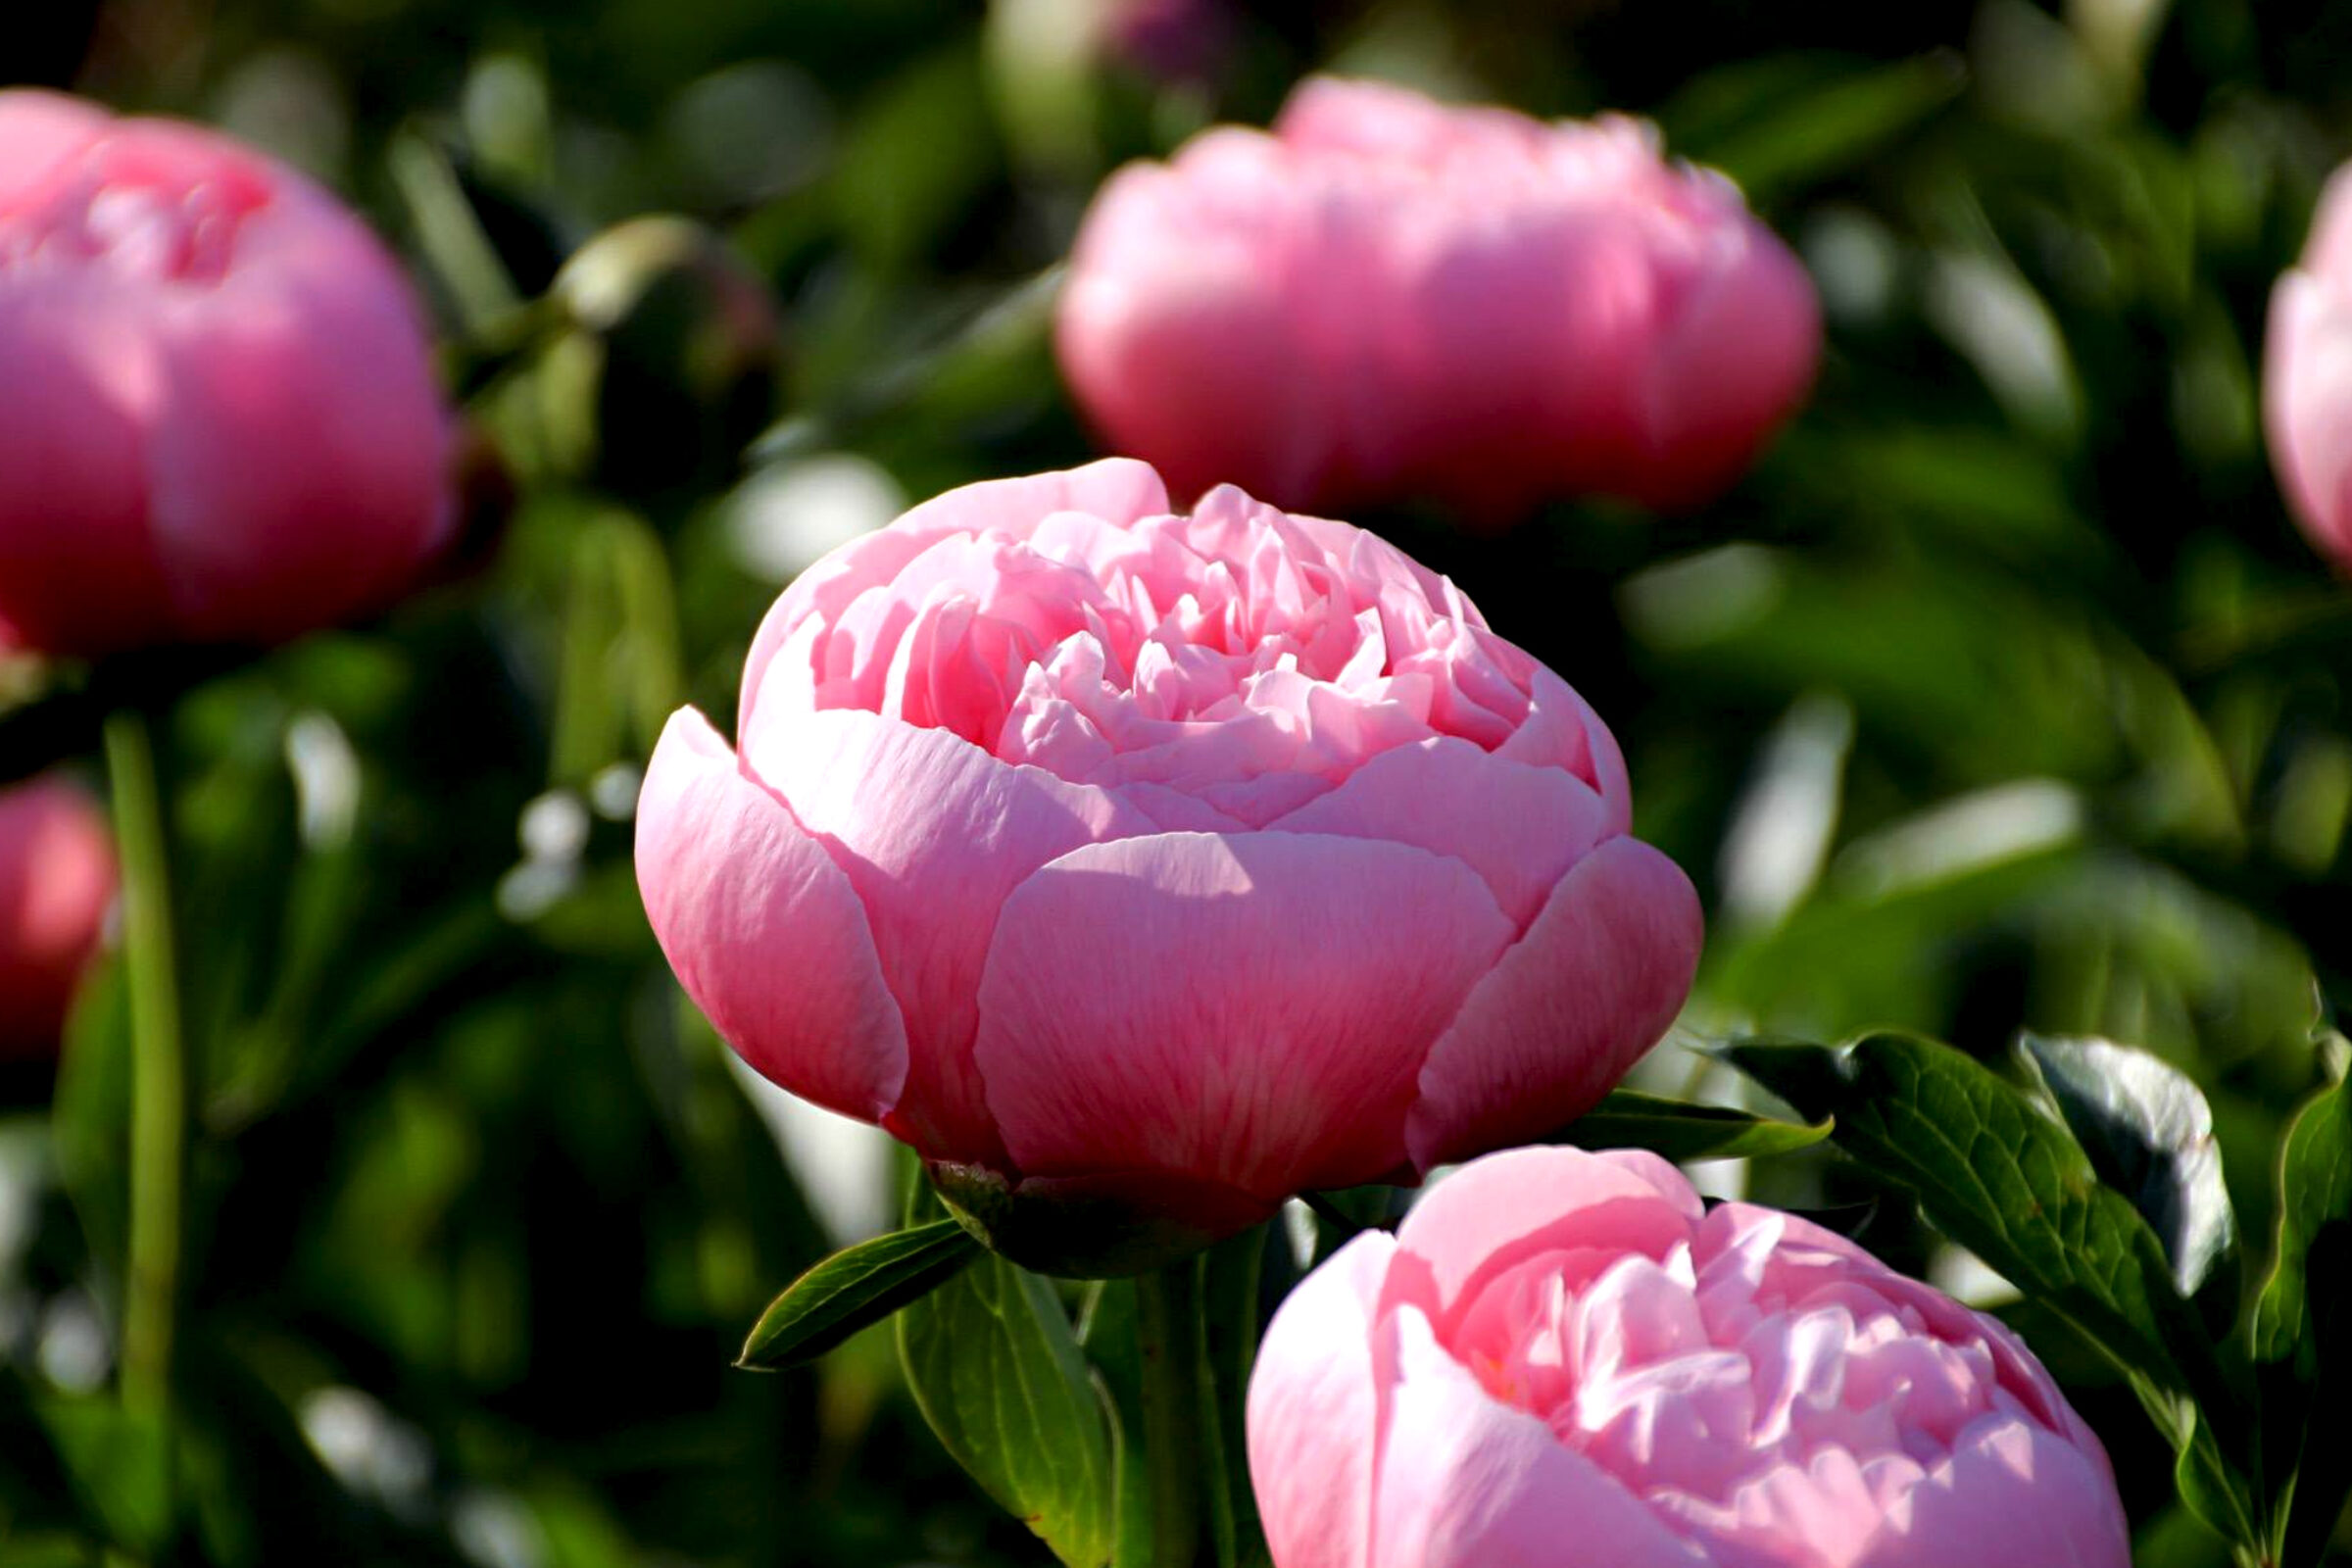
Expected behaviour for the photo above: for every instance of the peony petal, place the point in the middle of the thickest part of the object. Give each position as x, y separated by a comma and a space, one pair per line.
1252, 1007
1592, 986
1313, 1412
77, 567
764, 929
1117, 490
934, 834
354, 496
1518, 827
2011, 1493
1466, 1482
1480, 1222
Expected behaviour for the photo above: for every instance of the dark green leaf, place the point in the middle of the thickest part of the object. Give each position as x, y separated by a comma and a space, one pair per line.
854, 1289
2149, 1135
1680, 1130
2301, 1321
119, 1466
2002, 1177
991, 1359
1831, 125
1229, 1276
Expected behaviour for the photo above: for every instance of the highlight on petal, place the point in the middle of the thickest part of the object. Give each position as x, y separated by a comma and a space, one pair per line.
1314, 1495
1467, 1481
1201, 1001
764, 931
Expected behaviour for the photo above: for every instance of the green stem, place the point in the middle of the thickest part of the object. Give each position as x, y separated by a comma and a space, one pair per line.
1167, 1331
159, 1092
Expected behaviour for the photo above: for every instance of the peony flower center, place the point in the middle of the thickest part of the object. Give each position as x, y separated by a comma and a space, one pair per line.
1208, 654
1689, 1375
146, 223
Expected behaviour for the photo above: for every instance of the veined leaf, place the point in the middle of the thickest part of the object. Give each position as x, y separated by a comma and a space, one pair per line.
991, 1359
1680, 1130
2002, 1177
2301, 1321
854, 1289
2149, 1135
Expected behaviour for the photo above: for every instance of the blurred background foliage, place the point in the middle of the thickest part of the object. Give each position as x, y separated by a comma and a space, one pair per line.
2002, 695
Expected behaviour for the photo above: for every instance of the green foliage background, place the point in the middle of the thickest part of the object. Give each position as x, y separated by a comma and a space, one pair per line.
2003, 694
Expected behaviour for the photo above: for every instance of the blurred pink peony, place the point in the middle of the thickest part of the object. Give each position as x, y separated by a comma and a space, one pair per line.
56, 879
1564, 1357
219, 421
2307, 377
1389, 297
1174, 864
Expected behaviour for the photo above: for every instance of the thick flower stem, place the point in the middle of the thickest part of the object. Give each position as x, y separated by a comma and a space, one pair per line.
159, 1096
1167, 1329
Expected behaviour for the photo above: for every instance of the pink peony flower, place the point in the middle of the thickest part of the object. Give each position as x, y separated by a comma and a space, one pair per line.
2307, 377
1178, 862
1388, 297
56, 879
219, 421
1564, 1357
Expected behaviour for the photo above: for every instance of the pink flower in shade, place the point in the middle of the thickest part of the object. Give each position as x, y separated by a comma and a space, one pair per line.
1179, 862
2307, 377
56, 879
218, 420
1563, 1357
1388, 297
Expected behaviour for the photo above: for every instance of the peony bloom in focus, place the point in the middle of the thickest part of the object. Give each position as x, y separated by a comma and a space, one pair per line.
1132, 864
219, 421
1565, 1357
1388, 297
2307, 377
56, 879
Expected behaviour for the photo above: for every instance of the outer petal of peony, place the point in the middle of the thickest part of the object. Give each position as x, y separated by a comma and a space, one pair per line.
1466, 1482
57, 880
933, 835
1493, 1213
1314, 1495
1200, 1002
1595, 981
351, 498
1164, 343
75, 449
764, 929
2307, 406
1520, 829
1744, 349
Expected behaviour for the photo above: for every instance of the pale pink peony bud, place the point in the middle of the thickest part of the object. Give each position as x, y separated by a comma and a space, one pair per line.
1159, 865
2307, 377
218, 420
1564, 1357
56, 879
1385, 297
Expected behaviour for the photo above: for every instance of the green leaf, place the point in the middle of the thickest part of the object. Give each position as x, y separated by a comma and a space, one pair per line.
2001, 1176
2301, 1323
1229, 1279
854, 1289
2149, 1135
1680, 1130
991, 1360
119, 1466
1820, 124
